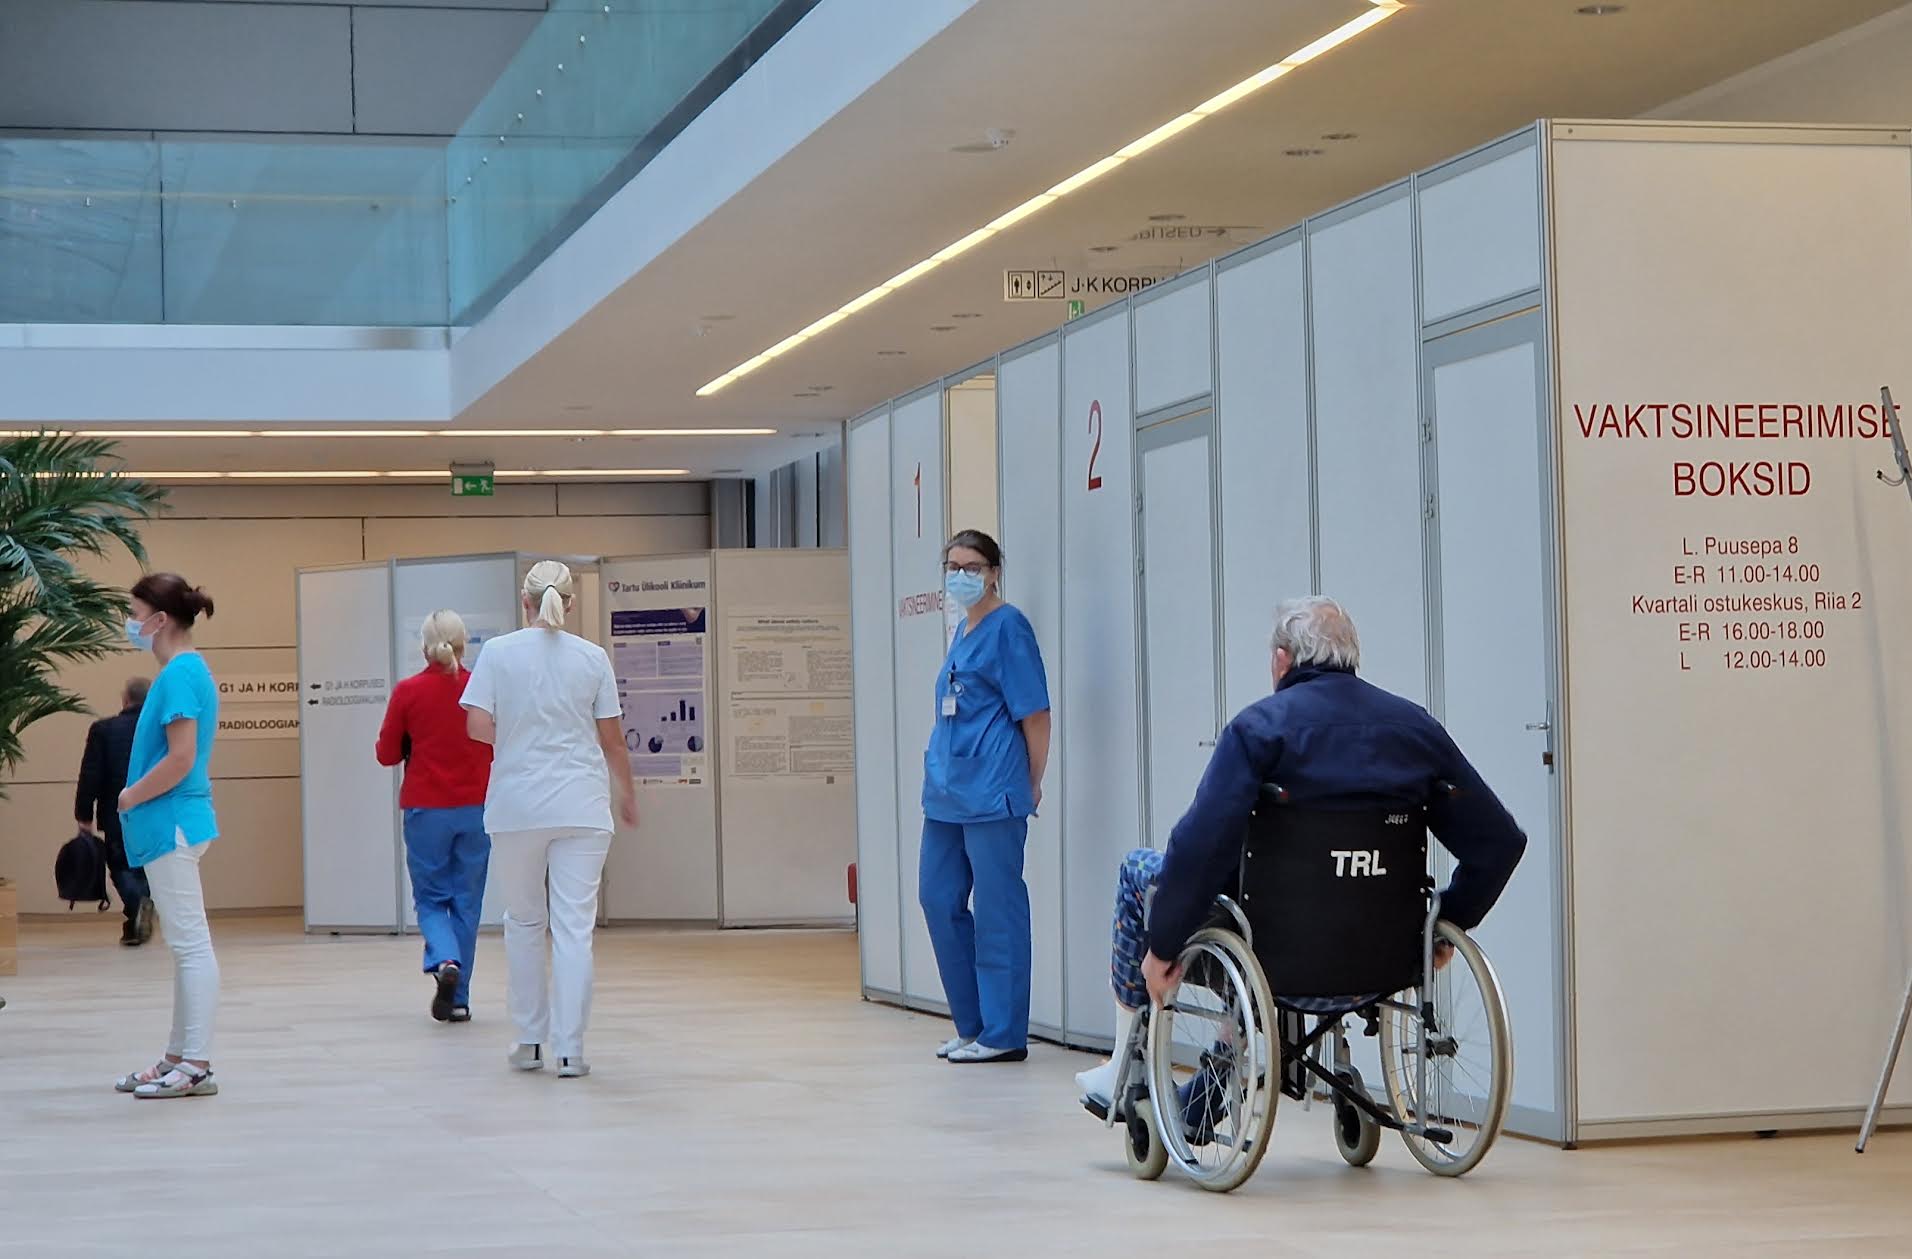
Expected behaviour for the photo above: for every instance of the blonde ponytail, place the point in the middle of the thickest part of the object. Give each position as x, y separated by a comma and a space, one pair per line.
549, 585
443, 638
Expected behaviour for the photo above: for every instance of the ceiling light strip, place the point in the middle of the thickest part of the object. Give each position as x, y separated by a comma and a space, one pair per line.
289, 474
1378, 12
130, 434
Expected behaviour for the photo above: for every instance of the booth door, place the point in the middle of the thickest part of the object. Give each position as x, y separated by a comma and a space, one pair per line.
1484, 387
1176, 532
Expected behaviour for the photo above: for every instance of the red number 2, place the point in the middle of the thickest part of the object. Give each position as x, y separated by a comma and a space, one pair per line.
1095, 430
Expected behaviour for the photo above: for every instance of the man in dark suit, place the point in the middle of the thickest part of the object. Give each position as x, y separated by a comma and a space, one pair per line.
109, 747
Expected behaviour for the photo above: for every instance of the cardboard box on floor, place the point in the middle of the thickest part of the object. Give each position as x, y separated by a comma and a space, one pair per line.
9, 929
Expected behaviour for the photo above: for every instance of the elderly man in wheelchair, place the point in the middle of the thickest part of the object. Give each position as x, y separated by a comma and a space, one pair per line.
1294, 899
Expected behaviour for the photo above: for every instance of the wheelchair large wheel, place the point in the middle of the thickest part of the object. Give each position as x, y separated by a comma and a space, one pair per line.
1214, 1057
1469, 1052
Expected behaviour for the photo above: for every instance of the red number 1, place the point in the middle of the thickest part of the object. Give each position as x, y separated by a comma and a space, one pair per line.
919, 500
1095, 428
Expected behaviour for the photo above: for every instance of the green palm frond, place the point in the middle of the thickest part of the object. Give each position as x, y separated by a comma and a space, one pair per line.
62, 499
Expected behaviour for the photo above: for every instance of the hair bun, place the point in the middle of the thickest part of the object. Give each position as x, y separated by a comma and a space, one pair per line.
200, 601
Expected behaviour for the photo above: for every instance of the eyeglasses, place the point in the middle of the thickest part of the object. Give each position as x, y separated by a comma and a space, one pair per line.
974, 570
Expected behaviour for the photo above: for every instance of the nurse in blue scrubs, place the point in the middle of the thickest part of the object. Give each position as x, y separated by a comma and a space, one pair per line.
982, 780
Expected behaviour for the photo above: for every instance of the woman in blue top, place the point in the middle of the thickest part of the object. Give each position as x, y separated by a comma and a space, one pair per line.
167, 818
982, 779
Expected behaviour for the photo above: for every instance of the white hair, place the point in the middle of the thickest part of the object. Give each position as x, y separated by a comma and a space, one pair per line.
1317, 631
549, 585
443, 638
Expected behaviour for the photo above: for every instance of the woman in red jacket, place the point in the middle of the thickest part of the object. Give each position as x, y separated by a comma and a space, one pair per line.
446, 773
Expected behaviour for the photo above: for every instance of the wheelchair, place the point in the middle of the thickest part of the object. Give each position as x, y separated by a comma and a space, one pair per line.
1334, 910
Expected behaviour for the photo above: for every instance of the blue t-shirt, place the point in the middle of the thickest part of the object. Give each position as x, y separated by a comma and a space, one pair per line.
184, 689
977, 766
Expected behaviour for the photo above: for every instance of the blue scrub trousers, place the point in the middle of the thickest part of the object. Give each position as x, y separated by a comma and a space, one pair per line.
447, 852
983, 956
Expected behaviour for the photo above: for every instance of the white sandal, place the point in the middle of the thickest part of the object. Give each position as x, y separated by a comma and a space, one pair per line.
151, 1075
184, 1080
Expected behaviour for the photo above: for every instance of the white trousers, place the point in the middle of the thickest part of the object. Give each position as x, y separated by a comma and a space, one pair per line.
180, 901
569, 862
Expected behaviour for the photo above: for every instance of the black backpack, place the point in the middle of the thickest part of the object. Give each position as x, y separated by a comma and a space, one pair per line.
80, 871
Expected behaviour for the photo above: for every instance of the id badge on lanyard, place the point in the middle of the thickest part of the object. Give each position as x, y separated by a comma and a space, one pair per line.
949, 700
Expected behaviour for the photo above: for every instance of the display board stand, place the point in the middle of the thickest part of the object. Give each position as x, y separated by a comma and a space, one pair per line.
1897, 1040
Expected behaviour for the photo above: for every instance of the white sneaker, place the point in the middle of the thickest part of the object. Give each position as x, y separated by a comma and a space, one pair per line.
572, 1068
527, 1057
954, 1043
1097, 1082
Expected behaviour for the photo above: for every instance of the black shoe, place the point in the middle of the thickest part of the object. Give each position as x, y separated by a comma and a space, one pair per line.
443, 997
129, 934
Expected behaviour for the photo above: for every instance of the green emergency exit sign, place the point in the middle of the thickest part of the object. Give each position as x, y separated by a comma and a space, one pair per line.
1075, 309
471, 485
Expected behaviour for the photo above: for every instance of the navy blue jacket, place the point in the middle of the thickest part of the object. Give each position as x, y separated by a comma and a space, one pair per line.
109, 752
1332, 740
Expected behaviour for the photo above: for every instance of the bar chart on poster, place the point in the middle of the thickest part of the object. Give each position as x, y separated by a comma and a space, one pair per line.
659, 623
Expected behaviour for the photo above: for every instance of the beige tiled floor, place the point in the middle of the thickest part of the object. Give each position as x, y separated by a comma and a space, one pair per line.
745, 1103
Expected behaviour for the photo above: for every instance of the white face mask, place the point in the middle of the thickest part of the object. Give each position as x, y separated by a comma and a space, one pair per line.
136, 635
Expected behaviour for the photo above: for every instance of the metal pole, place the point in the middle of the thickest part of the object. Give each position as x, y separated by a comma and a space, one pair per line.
1904, 462
1885, 1071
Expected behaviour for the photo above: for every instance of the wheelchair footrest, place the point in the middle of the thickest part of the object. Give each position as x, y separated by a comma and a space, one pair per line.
1097, 1107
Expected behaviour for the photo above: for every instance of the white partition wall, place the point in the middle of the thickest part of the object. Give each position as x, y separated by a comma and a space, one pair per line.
786, 757
916, 584
1097, 708
1729, 302
358, 635
656, 613
873, 619
348, 801
1267, 482
1029, 398
1582, 427
1367, 431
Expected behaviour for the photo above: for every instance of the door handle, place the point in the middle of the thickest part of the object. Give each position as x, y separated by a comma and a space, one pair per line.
1540, 725
1204, 743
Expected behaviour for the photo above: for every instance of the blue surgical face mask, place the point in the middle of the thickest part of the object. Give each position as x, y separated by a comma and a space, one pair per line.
136, 635
965, 590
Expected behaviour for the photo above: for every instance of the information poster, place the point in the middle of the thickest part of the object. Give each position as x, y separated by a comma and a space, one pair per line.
788, 709
1737, 604
660, 655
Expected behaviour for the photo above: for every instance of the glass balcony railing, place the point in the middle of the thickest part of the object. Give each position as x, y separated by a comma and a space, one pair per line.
372, 233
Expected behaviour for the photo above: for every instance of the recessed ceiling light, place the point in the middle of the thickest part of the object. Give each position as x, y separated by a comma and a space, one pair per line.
1167, 218
1378, 11
967, 314
1600, 10
1103, 249
726, 471
1304, 152
808, 393
891, 353
994, 140
942, 327
1340, 135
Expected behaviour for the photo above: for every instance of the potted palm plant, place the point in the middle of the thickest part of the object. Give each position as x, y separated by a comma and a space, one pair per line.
62, 499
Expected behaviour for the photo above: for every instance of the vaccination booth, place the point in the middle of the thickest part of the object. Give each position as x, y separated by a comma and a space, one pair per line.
733, 675
1582, 429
